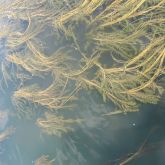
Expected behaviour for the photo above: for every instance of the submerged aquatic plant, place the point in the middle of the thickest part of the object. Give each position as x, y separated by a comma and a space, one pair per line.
6, 133
53, 97
130, 31
78, 10
135, 81
35, 62
119, 10
44, 160
57, 125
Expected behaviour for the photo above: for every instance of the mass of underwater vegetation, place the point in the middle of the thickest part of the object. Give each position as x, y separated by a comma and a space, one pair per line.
115, 48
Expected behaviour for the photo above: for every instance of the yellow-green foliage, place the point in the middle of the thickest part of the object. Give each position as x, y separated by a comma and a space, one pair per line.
130, 32
135, 80
53, 97
36, 62
54, 124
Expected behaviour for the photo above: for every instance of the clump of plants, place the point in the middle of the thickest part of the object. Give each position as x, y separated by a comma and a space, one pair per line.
129, 33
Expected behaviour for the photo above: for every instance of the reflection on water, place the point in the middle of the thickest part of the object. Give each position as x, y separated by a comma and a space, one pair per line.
97, 141
48, 115
3, 119
5, 134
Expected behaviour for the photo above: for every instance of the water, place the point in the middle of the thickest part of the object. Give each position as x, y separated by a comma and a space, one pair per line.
3, 119
98, 140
